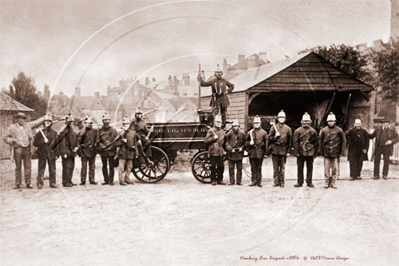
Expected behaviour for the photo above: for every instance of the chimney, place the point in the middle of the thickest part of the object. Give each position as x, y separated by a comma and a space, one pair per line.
263, 56
77, 91
241, 57
97, 94
224, 66
153, 79
377, 45
186, 79
46, 94
176, 83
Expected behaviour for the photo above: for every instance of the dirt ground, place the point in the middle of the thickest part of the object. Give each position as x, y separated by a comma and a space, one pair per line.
180, 221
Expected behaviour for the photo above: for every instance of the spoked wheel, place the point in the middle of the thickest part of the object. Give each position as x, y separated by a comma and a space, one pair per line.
155, 171
201, 167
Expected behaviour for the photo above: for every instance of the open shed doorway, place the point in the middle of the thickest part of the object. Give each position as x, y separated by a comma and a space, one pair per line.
294, 104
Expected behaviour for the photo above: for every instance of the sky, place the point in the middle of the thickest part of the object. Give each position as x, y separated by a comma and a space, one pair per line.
94, 44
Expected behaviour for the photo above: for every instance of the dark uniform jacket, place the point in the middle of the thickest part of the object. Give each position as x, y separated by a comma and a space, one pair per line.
127, 150
332, 142
280, 145
87, 142
357, 141
68, 142
235, 141
44, 150
305, 142
105, 138
216, 146
219, 97
140, 126
261, 141
392, 136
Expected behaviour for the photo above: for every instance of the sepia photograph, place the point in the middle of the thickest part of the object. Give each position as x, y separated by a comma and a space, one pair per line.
199, 132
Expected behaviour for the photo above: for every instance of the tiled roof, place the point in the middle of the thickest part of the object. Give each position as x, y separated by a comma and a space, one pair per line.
9, 104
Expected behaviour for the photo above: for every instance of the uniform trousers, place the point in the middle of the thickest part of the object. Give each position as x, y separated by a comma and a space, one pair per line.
22, 154
92, 167
68, 164
385, 152
279, 168
217, 168
42, 168
256, 170
108, 177
330, 170
300, 161
232, 164
124, 172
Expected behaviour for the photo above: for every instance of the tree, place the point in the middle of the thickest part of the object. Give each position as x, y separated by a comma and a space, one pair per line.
347, 59
24, 91
385, 63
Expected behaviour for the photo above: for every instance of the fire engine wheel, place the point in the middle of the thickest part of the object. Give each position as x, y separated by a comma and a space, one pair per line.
201, 167
155, 170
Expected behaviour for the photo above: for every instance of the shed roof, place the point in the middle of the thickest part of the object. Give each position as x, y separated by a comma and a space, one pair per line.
307, 71
9, 104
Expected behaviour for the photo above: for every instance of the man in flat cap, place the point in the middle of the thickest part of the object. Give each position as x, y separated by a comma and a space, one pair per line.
220, 100
385, 138
19, 137
358, 144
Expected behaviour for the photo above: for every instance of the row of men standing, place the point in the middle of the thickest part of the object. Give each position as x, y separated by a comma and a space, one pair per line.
67, 144
306, 144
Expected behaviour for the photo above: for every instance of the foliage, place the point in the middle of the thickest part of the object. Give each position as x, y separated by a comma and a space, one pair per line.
347, 59
24, 91
385, 63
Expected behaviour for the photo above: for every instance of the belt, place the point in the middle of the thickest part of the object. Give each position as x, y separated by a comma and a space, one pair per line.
215, 145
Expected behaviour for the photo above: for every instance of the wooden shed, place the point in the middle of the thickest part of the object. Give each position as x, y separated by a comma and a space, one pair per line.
305, 83
8, 108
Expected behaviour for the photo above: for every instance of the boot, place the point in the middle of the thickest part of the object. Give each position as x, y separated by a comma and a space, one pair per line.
122, 183
253, 184
298, 185
93, 182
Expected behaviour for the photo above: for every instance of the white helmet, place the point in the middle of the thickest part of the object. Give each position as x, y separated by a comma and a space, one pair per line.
218, 118
88, 119
331, 117
106, 117
218, 69
69, 118
48, 118
358, 121
306, 117
126, 120
281, 114
256, 119
235, 123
